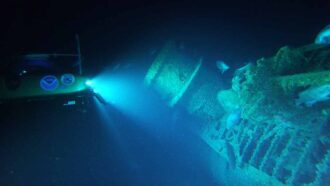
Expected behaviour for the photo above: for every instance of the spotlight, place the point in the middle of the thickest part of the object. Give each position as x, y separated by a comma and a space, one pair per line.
89, 83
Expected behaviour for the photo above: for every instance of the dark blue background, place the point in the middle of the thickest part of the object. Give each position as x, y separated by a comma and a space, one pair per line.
45, 145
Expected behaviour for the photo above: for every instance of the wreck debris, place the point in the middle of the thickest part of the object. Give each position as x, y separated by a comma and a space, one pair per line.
274, 141
278, 137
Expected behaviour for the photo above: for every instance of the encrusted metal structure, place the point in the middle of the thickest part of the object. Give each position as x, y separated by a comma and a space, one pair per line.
274, 141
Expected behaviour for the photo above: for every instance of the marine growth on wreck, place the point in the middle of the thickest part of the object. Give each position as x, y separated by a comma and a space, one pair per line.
271, 125
287, 141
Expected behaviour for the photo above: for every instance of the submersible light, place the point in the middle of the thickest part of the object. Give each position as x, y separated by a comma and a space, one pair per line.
89, 83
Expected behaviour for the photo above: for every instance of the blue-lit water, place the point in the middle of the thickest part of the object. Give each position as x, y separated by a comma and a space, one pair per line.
42, 145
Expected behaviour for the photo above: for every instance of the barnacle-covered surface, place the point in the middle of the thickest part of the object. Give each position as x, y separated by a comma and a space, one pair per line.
268, 89
171, 73
179, 78
275, 141
287, 142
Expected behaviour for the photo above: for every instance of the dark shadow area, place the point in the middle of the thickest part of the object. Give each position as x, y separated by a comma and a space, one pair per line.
43, 145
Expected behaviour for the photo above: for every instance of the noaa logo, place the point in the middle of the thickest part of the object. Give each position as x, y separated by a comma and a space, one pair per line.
49, 83
67, 79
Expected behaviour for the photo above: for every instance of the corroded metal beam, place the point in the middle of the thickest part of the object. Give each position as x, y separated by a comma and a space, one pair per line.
292, 82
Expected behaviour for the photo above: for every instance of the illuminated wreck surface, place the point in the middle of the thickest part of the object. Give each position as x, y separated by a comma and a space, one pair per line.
176, 124
271, 126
